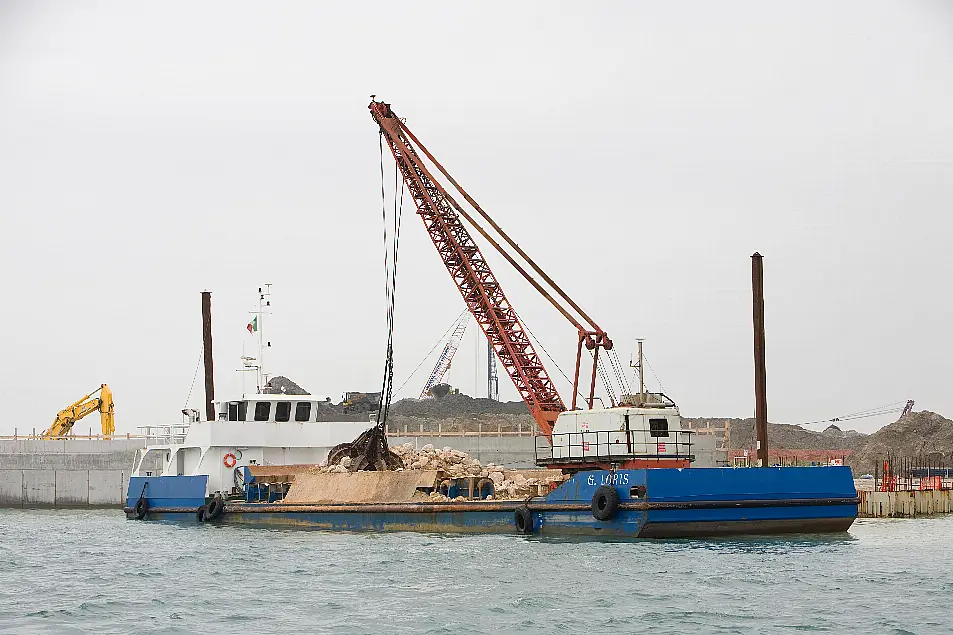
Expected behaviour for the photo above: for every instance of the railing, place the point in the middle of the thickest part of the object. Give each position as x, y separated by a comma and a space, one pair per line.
481, 431
165, 433
614, 446
34, 436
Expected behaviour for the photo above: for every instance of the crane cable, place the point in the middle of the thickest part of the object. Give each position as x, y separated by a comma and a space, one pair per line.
390, 283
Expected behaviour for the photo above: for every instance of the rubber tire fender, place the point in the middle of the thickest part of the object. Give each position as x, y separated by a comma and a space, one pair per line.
605, 503
214, 508
523, 518
141, 508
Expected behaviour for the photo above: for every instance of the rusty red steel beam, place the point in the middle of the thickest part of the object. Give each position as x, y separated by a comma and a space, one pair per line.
472, 275
593, 337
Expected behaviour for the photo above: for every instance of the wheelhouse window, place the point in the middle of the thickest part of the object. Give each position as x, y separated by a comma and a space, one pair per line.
283, 411
658, 427
262, 410
237, 410
303, 411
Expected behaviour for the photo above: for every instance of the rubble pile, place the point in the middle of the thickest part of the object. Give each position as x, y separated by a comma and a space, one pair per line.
450, 463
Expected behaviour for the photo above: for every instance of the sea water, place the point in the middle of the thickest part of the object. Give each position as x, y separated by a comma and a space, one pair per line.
96, 572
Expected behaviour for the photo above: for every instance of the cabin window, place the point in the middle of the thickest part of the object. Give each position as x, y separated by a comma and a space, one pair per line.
237, 410
283, 411
658, 427
262, 410
303, 411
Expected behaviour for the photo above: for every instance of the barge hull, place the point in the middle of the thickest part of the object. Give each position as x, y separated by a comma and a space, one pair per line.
652, 503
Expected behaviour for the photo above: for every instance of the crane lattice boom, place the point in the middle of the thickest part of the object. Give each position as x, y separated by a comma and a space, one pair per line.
446, 356
472, 275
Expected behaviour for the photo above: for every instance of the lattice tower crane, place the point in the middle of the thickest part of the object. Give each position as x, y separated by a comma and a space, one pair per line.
446, 356
480, 289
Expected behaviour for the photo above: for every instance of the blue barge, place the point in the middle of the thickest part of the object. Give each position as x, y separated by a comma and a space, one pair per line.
635, 503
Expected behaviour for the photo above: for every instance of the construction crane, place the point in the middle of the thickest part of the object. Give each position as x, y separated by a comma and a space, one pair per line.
67, 417
443, 219
446, 356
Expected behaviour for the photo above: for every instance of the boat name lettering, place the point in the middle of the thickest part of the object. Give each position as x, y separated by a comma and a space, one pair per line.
606, 479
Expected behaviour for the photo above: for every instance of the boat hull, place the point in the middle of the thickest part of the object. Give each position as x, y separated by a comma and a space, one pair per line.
653, 503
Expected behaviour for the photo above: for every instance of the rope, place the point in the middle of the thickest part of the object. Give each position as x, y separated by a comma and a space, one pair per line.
646, 360
194, 375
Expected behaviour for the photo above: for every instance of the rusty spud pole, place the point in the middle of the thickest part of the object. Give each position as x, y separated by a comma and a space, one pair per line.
760, 383
207, 353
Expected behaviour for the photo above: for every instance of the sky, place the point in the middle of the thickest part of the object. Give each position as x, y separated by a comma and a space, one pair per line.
639, 151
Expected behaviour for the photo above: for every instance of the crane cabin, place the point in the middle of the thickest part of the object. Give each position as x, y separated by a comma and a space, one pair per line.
645, 431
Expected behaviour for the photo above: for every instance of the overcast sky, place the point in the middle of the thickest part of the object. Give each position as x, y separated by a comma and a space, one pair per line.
639, 151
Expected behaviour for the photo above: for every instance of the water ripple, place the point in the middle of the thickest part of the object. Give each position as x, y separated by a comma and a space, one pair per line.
92, 571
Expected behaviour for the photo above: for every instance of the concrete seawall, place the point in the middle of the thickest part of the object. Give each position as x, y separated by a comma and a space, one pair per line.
65, 473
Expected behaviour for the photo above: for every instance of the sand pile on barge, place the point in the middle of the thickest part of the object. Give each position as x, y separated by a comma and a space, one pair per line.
454, 464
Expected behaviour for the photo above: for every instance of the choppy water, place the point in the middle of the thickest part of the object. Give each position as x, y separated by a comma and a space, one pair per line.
95, 572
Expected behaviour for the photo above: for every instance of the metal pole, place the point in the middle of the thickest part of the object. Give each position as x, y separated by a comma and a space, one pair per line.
207, 353
760, 382
641, 377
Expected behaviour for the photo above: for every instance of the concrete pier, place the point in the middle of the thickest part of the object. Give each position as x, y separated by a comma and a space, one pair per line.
908, 504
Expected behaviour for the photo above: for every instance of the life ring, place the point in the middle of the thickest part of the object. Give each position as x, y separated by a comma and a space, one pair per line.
229, 460
141, 508
214, 508
523, 518
605, 503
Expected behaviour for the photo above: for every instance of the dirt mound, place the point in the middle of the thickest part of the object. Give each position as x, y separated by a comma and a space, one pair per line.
283, 386
792, 437
924, 434
455, 405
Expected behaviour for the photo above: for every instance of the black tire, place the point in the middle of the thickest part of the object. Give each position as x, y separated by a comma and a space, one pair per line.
605, 503
214, 508
200, 514
142, 507
523, 518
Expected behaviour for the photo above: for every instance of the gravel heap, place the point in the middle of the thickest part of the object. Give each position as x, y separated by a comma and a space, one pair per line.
281, 385
507, 484
455, 405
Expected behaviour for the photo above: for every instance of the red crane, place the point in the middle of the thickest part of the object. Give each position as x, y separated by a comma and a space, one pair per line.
480, 289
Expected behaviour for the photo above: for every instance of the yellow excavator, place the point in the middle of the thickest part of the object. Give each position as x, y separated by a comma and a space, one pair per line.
87, 405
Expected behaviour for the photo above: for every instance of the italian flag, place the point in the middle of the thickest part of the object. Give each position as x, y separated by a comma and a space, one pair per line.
253, 325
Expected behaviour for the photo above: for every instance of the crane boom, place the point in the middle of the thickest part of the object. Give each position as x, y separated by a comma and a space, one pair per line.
446, 356
477, 285
82, 407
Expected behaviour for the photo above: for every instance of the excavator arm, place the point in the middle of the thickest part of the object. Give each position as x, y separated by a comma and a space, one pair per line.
67, 417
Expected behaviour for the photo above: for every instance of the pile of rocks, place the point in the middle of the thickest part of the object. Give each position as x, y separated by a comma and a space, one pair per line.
507, 484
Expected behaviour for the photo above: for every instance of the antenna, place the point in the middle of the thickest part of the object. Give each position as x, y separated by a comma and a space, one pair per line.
640, 367
264, 306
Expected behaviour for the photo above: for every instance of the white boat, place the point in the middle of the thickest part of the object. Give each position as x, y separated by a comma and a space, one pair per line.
255, 429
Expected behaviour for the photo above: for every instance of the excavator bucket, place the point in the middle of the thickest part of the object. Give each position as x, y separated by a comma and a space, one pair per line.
369, 452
